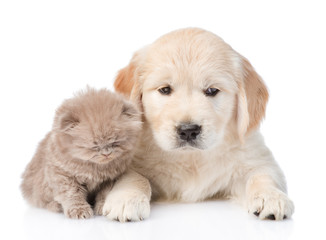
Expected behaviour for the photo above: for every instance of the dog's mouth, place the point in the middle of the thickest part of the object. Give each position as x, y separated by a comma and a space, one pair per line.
189, 145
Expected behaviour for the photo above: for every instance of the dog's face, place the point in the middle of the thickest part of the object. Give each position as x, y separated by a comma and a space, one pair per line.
192, 88
188, 100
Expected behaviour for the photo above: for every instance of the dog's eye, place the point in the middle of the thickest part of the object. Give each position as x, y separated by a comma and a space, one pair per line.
165, 90
211, 92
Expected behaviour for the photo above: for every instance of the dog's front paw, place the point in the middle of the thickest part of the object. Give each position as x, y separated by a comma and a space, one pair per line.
126, 206
79, 212
270, 204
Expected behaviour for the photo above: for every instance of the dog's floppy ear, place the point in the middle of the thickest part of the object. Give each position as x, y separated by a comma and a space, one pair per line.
252, 99
128, 80
125, 80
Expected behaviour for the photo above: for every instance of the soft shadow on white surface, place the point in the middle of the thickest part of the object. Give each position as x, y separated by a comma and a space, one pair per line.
167, 221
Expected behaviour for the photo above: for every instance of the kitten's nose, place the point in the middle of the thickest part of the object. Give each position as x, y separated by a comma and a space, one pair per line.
188, 132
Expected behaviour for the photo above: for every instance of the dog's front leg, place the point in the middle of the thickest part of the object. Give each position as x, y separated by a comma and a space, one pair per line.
129, 199
266, 199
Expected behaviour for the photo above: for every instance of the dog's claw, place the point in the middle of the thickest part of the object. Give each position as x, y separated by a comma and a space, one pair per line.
271, 217
256, 213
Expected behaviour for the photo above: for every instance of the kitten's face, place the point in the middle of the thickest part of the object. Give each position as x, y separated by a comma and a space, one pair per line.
102, 145
104, 127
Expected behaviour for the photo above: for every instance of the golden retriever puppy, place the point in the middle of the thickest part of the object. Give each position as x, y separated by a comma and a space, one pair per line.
202, 105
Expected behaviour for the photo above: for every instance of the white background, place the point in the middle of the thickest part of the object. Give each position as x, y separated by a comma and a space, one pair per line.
50, 49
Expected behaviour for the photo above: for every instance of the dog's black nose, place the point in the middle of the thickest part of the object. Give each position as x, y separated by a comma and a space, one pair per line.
188, 132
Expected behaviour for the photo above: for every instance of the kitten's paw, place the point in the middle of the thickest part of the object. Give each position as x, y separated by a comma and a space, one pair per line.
126, 206
79, 212
98, 208
271, 204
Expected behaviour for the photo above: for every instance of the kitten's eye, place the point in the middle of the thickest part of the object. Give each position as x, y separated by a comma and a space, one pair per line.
165, 90
115, 144
96, 148
211, 92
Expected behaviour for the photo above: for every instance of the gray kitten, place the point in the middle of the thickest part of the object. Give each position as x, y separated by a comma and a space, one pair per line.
90, 145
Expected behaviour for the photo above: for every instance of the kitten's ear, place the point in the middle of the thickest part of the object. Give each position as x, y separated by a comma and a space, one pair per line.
130, 110
66, 121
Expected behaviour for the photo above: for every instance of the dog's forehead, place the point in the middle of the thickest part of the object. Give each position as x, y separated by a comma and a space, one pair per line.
199, 60
191, 45
192, 53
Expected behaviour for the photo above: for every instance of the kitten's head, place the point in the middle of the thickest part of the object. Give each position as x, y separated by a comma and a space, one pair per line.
97, 126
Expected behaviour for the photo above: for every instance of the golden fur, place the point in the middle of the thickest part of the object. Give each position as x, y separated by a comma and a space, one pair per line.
90, 145
226, 157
